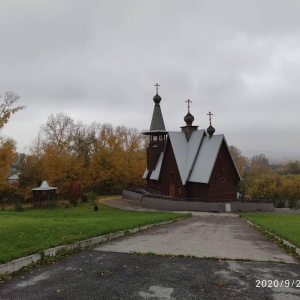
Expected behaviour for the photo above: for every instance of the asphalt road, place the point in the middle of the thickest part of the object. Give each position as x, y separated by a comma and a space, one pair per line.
106, 275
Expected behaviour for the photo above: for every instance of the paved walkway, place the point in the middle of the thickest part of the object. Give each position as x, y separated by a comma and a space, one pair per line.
222, 235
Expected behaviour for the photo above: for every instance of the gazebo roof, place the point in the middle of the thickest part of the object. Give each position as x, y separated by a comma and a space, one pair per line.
44, 187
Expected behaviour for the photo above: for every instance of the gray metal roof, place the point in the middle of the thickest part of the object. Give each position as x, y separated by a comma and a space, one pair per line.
179, 145
185, 151
157, 122
146, 173
44, 187
206, 159
14, 177
195, 158
156, 172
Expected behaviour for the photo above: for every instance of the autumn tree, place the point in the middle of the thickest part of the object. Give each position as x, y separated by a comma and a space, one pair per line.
7, 157
99, 157
7, 146
259, 165
291, 167
30, 174
59, 162
59, 132
239, 160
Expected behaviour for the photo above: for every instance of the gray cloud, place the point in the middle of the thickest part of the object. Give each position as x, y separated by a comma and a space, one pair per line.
97, 60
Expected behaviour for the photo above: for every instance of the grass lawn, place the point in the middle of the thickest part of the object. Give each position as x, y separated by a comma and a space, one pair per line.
284, 226
33, 230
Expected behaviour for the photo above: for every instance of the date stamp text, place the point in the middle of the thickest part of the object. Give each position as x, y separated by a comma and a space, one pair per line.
285, 283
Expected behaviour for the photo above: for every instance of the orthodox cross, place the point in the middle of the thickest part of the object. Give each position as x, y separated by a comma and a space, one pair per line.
188, 102
210, 114
157, 85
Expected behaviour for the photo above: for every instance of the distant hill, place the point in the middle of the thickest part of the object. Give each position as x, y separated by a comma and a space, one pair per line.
274, 156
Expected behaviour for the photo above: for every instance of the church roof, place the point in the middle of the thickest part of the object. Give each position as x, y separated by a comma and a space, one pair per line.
157, 122
206, 158
195, 157
185, 151
155, 173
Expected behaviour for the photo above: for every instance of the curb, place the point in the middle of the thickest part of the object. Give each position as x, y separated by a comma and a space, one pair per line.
297, 250
18, 264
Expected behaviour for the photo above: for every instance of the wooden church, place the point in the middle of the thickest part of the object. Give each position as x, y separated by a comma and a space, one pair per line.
191, 163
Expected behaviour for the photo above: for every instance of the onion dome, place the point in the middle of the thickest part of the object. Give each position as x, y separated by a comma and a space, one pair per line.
189, 119
210, 131
156, 99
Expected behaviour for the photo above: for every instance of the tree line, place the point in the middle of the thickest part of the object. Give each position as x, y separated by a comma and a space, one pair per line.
261, 180
99, 157
104, 159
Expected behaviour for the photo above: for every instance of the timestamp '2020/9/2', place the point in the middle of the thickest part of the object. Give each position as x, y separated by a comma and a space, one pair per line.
267, 283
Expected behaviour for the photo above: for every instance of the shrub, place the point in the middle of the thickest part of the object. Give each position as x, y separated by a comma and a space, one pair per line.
292, 203
18, 206
89, 197
9, 193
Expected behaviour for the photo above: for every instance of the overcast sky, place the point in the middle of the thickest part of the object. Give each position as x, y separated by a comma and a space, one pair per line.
98, 60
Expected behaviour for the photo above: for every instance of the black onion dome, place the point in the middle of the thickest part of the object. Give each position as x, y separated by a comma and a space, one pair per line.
189, 119
157, 99
210, 130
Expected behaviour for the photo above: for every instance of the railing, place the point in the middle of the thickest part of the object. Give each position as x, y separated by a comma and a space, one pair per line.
170, 198
143, 190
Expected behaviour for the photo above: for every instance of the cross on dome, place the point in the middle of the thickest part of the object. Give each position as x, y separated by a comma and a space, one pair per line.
210, 114
188, 102
157, 85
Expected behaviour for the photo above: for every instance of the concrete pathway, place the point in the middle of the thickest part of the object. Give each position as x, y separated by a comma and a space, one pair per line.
204, 235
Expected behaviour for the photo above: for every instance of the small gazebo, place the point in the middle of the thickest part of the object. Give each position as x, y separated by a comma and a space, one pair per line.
44, 193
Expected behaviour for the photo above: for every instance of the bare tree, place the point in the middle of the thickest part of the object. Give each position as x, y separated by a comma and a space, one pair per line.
7, 109
59, 132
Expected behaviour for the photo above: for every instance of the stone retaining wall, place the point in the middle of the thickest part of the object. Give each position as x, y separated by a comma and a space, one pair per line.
206, 206
132, 195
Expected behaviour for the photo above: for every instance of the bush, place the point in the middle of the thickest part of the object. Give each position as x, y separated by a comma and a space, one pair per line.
89, 197
18, 206
292, 203
280, 204
9, 193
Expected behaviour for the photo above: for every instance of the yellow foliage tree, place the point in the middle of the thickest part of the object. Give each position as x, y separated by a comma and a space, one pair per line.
7, 145
7, 151
100, 158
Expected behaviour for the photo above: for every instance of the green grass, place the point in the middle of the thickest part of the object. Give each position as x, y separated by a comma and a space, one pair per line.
34, 230
284, 226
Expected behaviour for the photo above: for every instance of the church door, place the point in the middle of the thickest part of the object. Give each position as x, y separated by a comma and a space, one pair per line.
172, 189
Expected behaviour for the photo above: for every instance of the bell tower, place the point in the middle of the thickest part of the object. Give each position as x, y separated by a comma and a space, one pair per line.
157, 135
